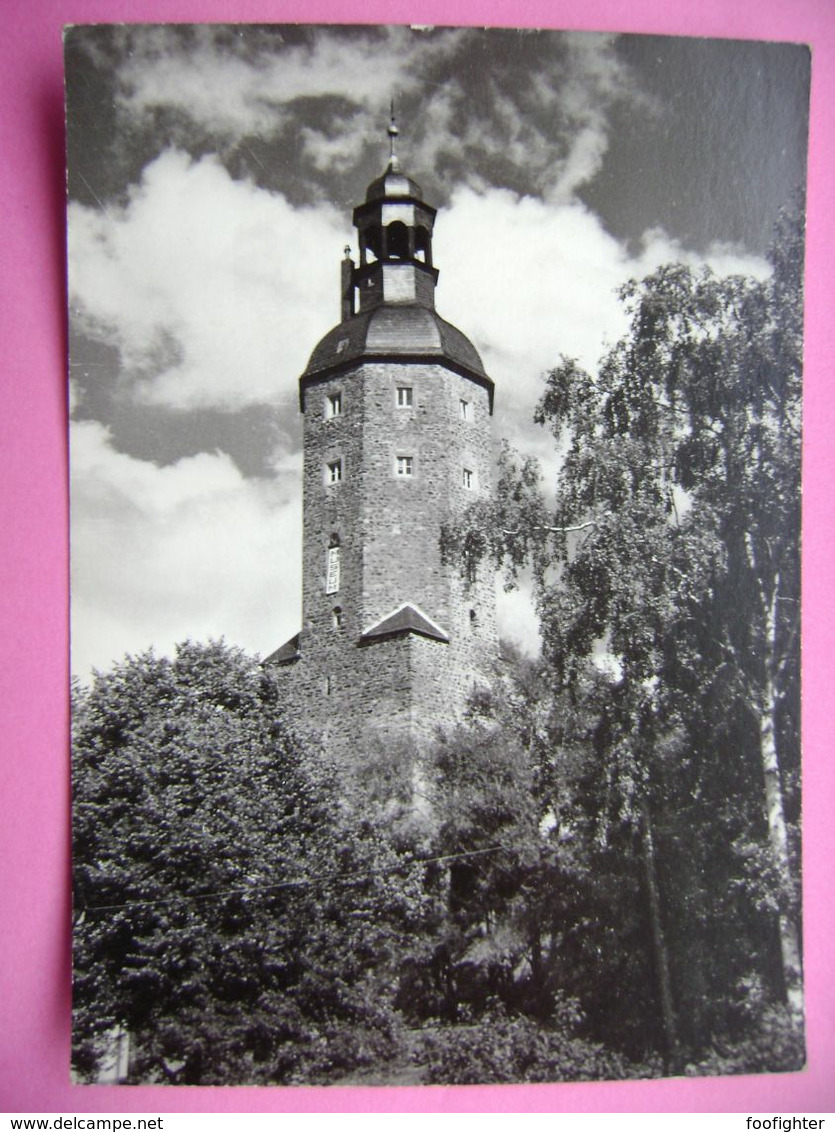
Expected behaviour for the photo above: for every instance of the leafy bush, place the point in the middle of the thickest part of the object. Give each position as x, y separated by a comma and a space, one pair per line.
773, 1045
504, 1050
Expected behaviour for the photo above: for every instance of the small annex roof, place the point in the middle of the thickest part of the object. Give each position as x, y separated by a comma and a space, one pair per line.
288, 652
406, 619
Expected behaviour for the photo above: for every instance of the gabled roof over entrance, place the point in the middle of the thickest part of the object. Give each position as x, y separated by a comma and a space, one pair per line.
406, 619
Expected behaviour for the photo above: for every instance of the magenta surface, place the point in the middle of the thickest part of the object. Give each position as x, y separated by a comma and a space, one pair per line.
34, 765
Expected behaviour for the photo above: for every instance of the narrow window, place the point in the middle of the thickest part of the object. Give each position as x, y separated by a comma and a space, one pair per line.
333, 407
337, 617
467, 478
405, 465
404, 396
473, 620
333, 571
334, 471
465, 409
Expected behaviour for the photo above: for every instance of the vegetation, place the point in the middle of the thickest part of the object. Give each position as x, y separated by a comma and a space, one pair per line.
227, 916
600, 877
667, 581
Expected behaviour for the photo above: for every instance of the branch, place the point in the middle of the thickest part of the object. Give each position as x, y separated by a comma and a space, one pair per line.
556, 530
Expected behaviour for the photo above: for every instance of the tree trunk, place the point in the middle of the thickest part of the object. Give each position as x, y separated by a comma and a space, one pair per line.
778, 841
672, 1058
537, 971
775, 815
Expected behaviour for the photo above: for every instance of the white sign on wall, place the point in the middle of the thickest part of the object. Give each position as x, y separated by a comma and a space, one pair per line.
332, 584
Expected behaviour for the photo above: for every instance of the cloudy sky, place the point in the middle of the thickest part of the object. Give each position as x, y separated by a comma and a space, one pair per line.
212, 172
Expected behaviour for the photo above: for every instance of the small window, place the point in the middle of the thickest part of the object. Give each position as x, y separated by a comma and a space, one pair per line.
467, 478
405, 465
341, 344
333, 406
337, 617
465, 409
334, 471
404, 396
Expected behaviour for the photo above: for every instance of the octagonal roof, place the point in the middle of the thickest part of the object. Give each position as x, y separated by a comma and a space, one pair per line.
396, 331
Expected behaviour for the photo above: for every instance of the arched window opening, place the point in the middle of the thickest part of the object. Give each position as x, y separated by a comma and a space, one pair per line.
397, 240
372, 242
336, 614
423, 246
473, 620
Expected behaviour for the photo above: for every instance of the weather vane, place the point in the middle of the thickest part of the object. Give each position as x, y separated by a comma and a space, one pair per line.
393, 133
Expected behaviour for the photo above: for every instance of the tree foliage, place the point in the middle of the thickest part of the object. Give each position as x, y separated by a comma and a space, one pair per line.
670, 556
229, 914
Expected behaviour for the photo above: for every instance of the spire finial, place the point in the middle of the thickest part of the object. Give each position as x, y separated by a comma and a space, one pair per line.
393, 133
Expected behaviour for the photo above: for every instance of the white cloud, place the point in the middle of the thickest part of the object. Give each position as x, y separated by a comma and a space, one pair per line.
548, 113
529, 280
234, 86
657, 248
192, 550
214, 290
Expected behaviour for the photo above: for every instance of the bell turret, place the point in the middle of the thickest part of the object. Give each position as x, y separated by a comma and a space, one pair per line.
387, 300
394, 226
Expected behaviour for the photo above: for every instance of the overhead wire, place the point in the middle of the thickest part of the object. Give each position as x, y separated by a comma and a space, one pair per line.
300, 882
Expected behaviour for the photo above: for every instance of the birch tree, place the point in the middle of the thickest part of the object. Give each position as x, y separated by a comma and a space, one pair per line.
672, 549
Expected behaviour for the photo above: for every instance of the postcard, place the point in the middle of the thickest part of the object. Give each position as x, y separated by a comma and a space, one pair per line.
435, 530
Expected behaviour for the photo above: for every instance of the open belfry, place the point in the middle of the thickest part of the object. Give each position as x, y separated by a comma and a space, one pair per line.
397, 439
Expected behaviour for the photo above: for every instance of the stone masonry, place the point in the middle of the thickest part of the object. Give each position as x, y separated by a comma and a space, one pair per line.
397, 439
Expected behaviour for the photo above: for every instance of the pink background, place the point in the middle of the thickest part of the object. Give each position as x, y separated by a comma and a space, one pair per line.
34, 822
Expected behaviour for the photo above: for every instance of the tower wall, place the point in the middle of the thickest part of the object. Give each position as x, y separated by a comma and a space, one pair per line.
388, 526
406, 688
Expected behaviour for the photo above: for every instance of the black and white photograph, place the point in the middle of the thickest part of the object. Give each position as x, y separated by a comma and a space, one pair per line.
435, 497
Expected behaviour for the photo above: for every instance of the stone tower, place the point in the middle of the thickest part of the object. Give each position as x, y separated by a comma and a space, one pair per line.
397, 413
